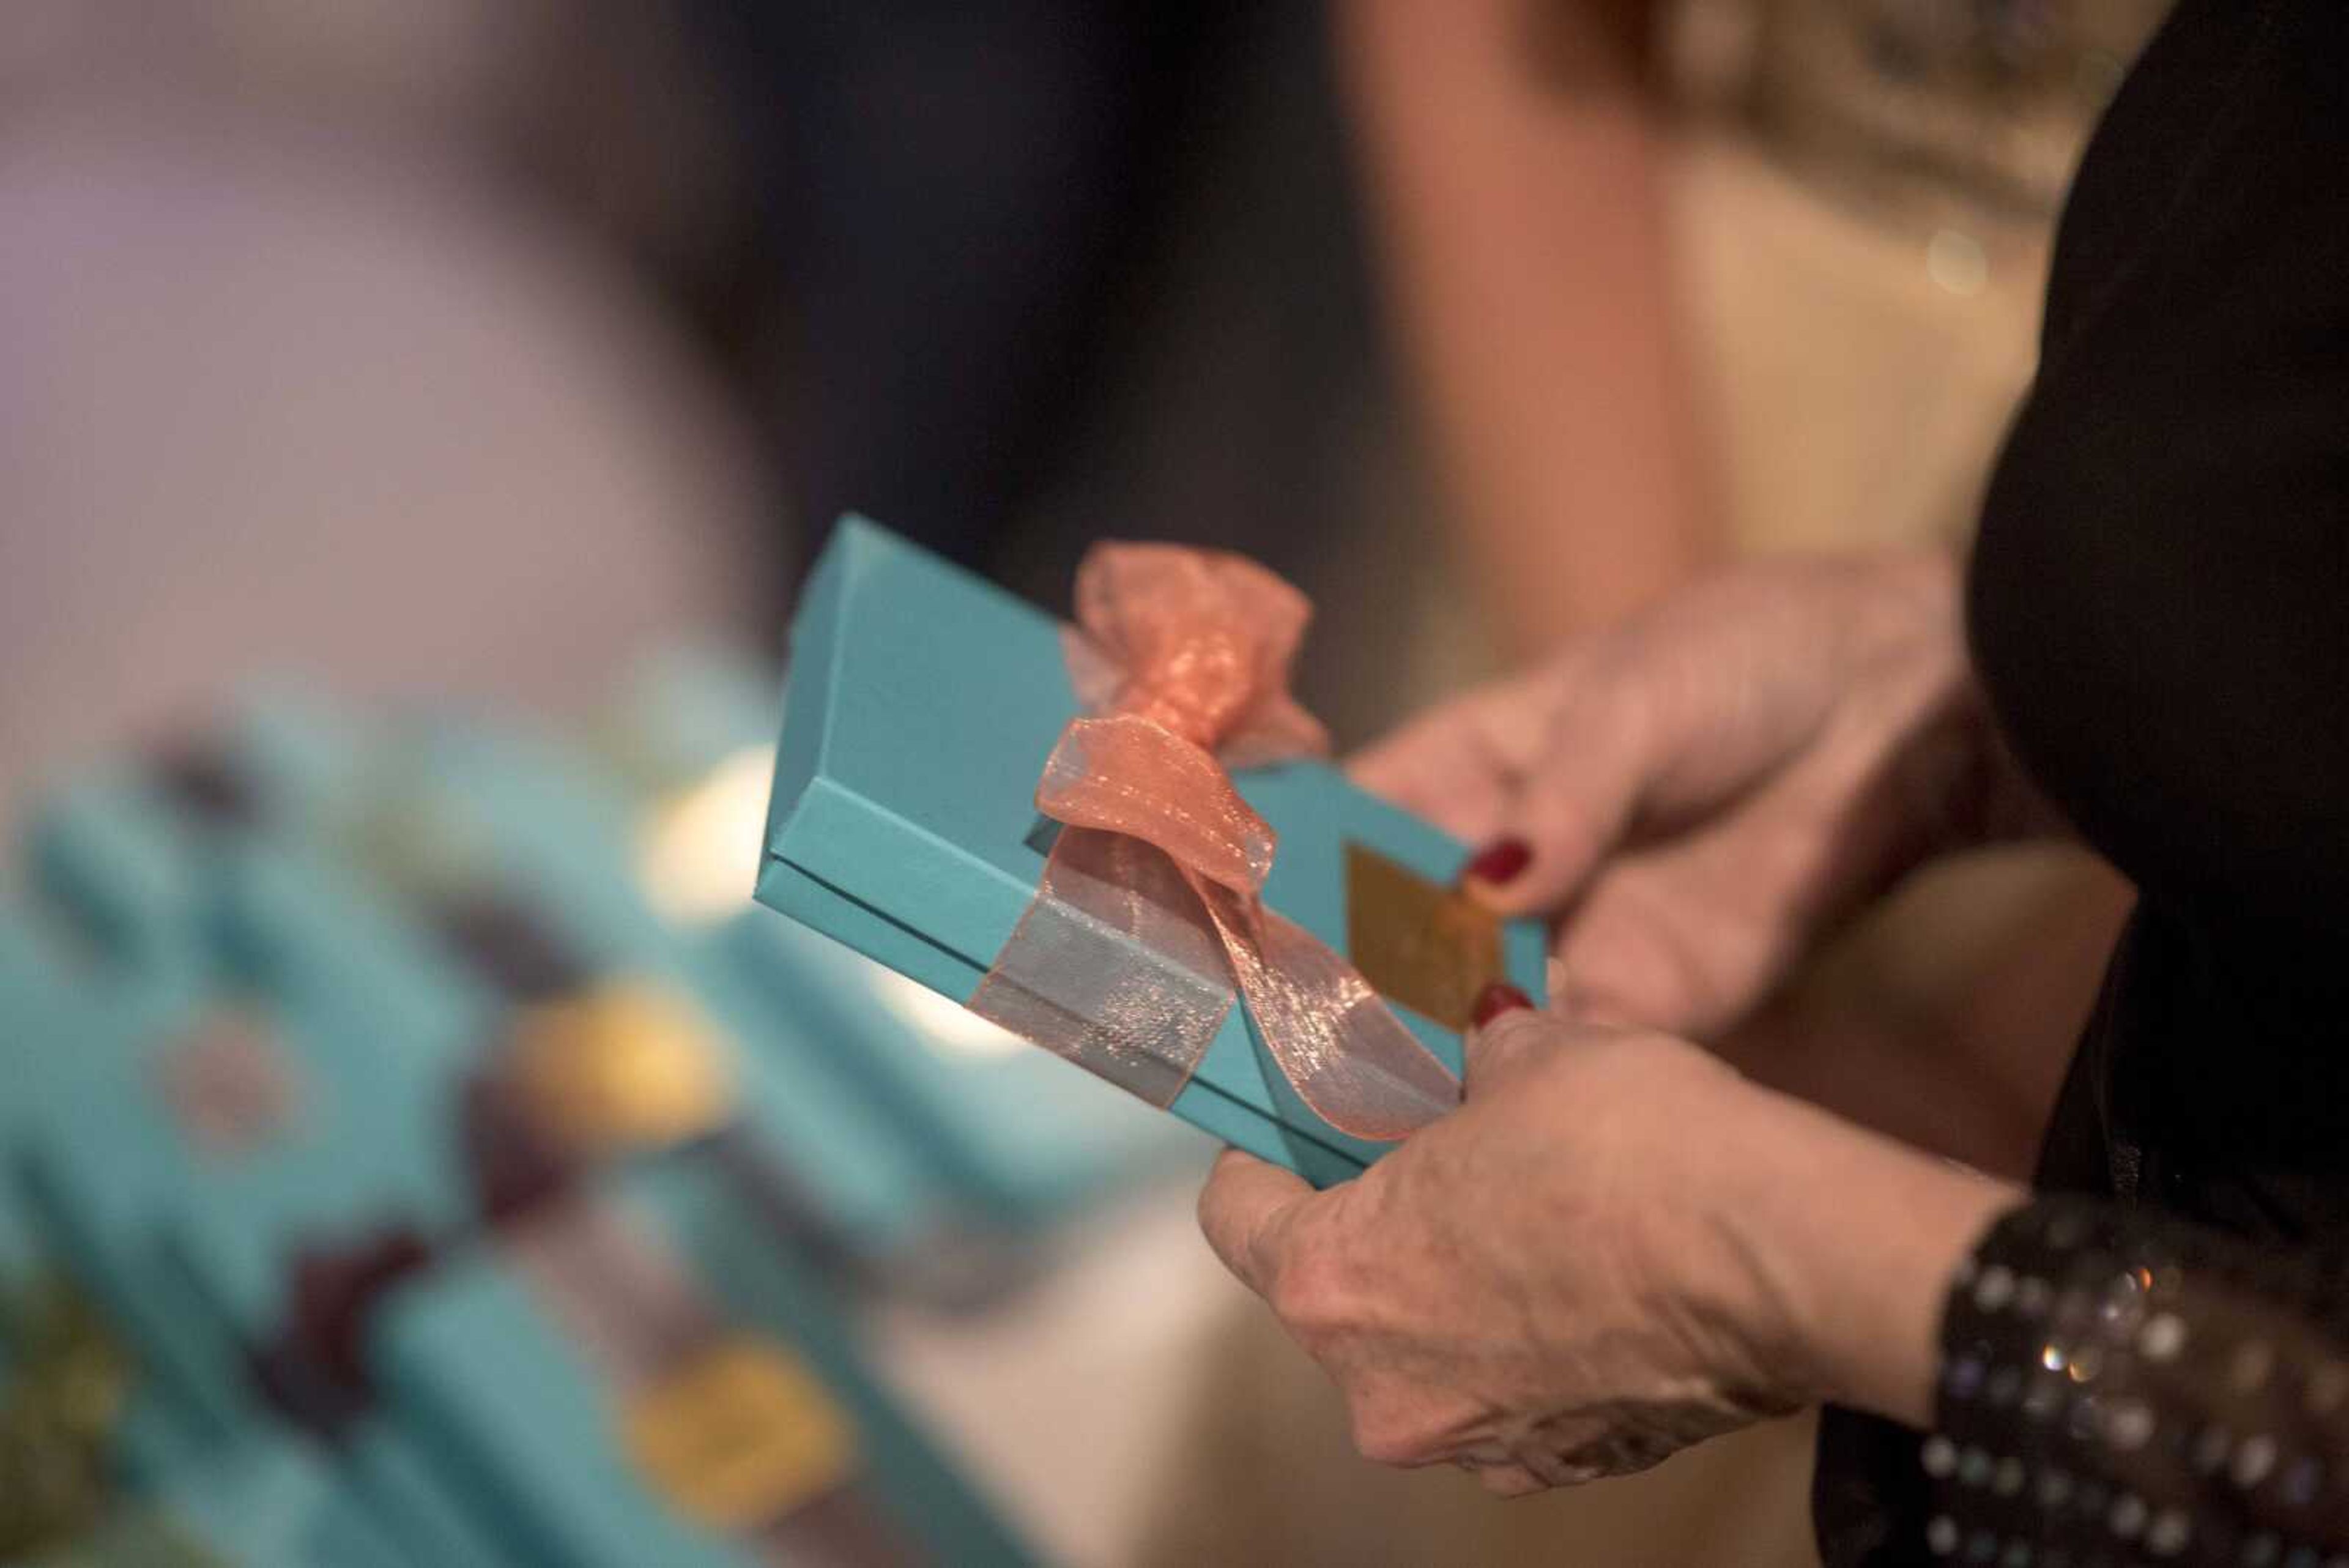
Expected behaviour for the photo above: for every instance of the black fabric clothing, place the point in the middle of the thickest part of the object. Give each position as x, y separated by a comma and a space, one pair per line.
2159, 609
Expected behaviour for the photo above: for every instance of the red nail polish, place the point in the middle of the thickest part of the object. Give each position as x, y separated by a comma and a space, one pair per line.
1501, 861
1498, 997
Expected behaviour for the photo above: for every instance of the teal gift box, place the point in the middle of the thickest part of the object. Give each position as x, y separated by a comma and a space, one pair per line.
922, 703
748, 1429
262, 1502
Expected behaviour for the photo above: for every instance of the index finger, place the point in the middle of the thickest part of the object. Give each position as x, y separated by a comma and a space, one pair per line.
1244, 1211
1460, 764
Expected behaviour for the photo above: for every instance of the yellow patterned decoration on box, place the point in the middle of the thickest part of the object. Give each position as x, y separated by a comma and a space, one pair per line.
630, 1065
742, 1435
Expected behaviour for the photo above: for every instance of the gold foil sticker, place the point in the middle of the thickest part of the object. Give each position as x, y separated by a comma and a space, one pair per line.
743, 1434
632, 1065
1421, 944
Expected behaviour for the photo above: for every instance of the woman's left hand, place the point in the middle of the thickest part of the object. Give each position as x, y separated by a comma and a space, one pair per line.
1614, 1248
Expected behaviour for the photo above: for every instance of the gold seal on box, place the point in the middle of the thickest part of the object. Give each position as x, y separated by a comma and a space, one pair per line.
1419, 943
631, 1064
743, 1434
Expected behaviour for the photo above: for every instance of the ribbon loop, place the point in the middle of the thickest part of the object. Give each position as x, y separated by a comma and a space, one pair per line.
1133, 776
1200, 642
1149, 921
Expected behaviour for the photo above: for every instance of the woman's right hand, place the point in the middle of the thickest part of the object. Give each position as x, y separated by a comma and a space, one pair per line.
1703, 791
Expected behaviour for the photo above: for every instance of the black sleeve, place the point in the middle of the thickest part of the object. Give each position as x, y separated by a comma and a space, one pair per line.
2118, 1387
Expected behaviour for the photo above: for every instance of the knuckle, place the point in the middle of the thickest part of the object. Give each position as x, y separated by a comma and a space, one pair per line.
1510, 1481
1386, 1434
1517, 1031
1560, 816
1309, 1294
1517, 1043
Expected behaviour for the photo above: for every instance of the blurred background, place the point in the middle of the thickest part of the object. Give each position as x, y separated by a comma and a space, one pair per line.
415, 416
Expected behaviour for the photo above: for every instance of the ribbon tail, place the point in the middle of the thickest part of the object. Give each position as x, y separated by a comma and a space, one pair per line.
1350, 1058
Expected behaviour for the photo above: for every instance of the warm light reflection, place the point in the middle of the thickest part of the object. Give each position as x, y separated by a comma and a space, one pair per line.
947, 1026
697, 853
698, 849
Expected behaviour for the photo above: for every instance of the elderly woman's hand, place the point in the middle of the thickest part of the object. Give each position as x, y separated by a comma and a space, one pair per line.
1702, 791
1615, 1247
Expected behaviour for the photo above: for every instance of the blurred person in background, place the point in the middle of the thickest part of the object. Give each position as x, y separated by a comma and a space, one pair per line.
2144, 1359
1551, 181
1676, 282
1514, 158
951, 198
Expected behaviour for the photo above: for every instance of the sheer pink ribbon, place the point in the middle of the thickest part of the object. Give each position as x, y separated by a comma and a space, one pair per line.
1149, 920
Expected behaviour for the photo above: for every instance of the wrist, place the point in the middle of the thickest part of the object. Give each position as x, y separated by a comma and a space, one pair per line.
1860, 1237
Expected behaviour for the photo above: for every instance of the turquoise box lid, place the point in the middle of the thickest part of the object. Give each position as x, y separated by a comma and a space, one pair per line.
921, 704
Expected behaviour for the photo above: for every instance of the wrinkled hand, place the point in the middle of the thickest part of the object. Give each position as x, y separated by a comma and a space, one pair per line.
1553, 1284
1701, 792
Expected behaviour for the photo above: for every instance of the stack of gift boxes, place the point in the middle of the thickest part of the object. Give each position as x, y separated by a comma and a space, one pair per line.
416, 1150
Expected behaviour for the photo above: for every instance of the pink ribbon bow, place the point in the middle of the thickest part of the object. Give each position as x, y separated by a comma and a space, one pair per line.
1149, 920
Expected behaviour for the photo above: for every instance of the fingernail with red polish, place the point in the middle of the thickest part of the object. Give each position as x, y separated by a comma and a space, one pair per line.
1499, 862
1496, 998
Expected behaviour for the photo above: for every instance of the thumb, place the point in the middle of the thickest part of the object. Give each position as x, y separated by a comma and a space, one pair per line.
1246, 1211
1508, 1030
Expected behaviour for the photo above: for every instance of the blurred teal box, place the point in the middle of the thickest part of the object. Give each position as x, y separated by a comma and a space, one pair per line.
186, 1240
262, 1502
105, 847
524, 1419
378, 1040
410, 809
1011, 1129
38, 977
412, 1503
56, 1003
558, 839
921, 706
101, 1166
118, 1190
